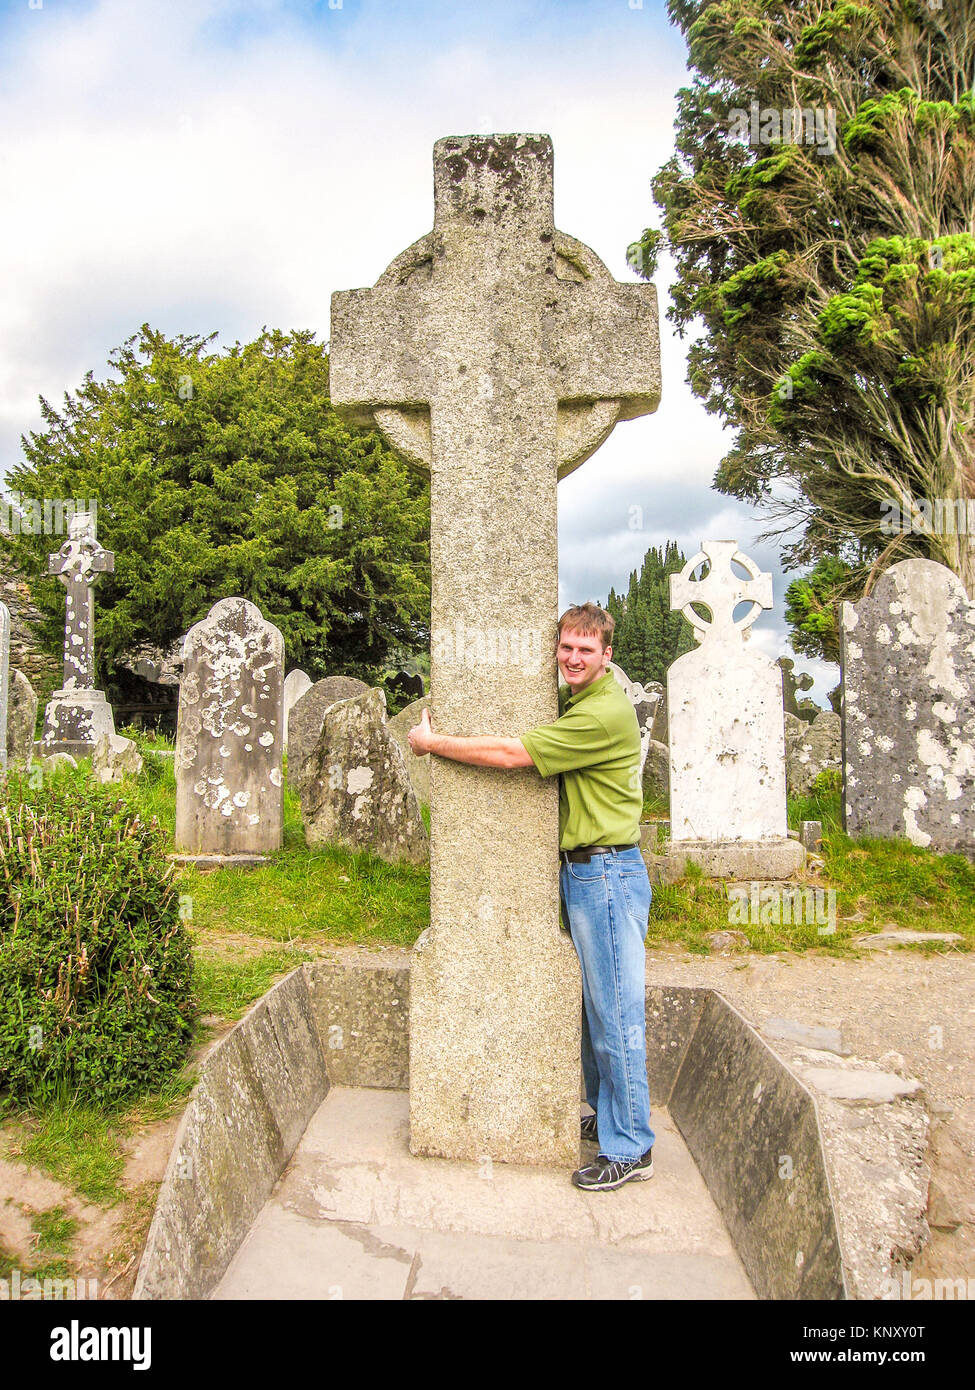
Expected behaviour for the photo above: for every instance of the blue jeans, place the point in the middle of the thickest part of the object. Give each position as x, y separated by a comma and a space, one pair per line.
607, 907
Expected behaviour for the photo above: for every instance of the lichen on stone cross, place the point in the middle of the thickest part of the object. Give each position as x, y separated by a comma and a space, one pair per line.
720, 591
79, 564
497, 354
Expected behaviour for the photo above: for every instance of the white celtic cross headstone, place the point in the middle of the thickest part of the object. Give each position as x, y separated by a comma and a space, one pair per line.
497, 353
727, 741
78, 714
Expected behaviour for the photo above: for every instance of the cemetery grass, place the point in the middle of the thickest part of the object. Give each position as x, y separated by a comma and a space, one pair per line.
879, 885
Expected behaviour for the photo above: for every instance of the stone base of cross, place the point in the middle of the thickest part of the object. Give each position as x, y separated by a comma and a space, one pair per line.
77, 715
497, 353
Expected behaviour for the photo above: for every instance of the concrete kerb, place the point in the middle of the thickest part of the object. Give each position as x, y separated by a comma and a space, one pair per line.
750, 1124
754, 1131
256, 1093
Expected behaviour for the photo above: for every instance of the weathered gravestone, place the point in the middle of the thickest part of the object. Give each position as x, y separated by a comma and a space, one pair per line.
356, 791
811, 748
21, 720
497, 353
727, 743
78, 714
908, 656
229, 734
418, 768
4, 680
296, 683
306, 719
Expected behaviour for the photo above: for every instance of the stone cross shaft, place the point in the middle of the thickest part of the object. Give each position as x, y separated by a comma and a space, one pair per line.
497, 353
79, 564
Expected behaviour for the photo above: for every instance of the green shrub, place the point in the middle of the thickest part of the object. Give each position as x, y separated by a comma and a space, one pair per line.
829, 782
95, 963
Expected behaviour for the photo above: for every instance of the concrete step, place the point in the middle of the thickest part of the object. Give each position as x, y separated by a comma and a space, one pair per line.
356, 1216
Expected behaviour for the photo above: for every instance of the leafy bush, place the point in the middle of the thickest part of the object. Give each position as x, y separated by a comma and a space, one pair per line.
95, 962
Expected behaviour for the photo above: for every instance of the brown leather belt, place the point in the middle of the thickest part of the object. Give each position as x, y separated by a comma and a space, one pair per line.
584, 853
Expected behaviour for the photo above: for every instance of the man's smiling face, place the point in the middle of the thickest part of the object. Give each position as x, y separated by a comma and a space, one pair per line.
582, 659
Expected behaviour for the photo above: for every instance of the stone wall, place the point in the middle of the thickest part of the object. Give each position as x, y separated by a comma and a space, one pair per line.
26, 652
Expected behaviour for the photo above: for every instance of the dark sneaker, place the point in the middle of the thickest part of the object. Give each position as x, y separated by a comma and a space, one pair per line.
588, 1129
605, 1174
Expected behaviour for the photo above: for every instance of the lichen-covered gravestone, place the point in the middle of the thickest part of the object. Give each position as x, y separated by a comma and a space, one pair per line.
78, 714
356, 791
4, 680
908, 654
727, 740
497, 353
229, 735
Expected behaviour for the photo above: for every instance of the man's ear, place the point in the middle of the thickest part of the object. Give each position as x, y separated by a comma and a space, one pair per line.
608, 654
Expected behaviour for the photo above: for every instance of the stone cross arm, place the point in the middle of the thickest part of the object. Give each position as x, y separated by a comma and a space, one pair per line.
495, 308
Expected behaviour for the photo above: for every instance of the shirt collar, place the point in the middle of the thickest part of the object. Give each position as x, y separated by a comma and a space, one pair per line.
599, 684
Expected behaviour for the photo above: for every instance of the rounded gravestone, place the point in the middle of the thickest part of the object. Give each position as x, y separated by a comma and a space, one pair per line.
418, 768
229, 735
307, 716
356, 790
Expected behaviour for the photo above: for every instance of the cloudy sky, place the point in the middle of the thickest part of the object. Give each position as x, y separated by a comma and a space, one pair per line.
220, 165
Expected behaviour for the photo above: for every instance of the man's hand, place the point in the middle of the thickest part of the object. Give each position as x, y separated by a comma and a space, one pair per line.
485, 751
421, 734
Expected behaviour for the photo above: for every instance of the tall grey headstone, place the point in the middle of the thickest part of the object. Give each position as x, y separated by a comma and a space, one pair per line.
908, 654
4, 680
229, 734
77, 715
497, 354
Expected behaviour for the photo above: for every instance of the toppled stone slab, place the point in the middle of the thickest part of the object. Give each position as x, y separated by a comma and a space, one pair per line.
221, 861
806, 1034
904, 938
115, 758
875, 1133
863, 1087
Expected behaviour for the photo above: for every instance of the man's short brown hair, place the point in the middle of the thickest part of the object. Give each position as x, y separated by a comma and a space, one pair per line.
589, 620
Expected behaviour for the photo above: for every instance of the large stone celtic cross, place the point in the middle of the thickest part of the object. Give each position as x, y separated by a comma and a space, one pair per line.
497, 353
79, 564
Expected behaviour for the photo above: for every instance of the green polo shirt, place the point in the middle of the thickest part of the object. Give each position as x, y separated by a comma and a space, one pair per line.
595, 745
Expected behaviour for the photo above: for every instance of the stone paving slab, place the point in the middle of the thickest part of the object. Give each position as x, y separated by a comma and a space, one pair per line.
357, 1216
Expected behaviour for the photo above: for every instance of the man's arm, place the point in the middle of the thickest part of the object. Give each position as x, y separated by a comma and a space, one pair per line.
482, 751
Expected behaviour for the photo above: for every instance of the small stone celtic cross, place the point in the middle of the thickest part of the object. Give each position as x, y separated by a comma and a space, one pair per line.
79, 564
720, 591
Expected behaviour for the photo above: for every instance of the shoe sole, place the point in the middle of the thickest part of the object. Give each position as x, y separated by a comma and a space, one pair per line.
639, 1175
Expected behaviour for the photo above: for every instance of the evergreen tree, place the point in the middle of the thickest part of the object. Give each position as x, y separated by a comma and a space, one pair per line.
219, 474
820, 208
649, 635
